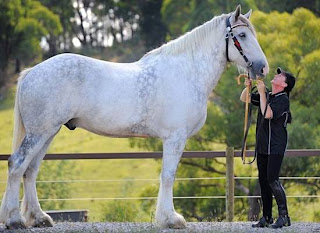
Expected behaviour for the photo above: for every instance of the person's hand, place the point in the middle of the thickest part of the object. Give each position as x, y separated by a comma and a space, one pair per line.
247, 82
261, 87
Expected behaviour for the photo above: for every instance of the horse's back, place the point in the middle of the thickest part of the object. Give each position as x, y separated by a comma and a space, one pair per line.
101, 96
118, 99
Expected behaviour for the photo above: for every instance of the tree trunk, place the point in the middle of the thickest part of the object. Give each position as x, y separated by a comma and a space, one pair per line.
18, 66
3, 76
52, 47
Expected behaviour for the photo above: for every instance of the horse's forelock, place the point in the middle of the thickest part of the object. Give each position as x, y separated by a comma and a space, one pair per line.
247, 21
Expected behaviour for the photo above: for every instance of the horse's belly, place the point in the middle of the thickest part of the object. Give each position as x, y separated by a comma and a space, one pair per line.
113, 128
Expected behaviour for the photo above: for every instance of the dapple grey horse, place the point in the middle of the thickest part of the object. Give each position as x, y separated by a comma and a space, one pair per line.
163, 95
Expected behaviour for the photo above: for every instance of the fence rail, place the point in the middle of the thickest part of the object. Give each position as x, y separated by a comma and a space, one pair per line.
158, 155
229, 154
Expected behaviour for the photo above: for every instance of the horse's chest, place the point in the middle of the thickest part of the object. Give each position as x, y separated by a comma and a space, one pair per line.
196, 123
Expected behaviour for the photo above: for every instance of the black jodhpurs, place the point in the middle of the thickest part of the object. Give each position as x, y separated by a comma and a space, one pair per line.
269, 169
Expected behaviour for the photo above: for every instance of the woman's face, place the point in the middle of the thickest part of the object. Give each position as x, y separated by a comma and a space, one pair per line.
279, 80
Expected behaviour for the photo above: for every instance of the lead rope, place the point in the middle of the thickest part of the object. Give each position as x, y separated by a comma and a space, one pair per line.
247, 120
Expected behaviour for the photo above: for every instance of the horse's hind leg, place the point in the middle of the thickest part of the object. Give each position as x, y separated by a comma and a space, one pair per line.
17, 165
30, 206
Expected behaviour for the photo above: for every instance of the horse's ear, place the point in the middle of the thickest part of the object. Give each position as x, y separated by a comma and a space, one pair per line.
236, 13
248, 15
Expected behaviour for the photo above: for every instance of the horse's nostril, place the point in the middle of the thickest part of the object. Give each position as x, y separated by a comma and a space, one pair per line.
262, 70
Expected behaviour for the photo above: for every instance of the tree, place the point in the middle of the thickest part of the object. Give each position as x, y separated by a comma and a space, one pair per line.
152, 28
175, 14
287, 5
96, 23
182, 16
11, 12
63, 41
22, 25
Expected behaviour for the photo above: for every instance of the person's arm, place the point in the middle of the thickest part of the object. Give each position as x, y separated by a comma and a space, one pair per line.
263, 100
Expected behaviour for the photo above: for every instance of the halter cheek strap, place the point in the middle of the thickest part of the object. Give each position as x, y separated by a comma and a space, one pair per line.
235, 41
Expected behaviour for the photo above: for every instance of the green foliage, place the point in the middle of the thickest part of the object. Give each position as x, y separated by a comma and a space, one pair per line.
152, 28
121, 211
182, 16
54, 170
200, 209
286, 42
175, 14
49, 22
22, 25
38, 22
285, 6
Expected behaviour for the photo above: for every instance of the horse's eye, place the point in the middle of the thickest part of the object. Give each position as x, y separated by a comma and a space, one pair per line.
243, 35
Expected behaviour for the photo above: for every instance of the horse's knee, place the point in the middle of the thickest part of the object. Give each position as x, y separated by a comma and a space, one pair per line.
14, 163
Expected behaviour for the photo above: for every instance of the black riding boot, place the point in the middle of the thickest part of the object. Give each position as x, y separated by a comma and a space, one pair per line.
281, 199
264, 221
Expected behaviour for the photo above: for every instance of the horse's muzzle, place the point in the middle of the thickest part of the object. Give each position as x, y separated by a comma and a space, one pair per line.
258, 70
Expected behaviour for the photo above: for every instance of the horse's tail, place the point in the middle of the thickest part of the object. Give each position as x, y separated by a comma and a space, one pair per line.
18, 129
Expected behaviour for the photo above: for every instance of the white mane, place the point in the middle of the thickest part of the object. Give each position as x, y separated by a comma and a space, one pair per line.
191, 39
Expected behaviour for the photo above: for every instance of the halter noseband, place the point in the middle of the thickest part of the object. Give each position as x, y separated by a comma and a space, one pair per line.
235, 41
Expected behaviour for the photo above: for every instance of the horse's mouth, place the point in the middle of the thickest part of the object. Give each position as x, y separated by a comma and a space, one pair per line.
254, 75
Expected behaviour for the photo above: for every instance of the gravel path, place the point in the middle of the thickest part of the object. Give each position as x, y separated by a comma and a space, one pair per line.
204, 227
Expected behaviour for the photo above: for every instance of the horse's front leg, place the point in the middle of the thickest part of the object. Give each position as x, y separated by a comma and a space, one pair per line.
165, 213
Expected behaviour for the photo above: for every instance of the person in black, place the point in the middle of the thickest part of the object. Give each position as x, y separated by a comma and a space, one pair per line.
271, 143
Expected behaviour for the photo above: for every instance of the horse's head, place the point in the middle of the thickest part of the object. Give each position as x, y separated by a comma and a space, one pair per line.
242, 46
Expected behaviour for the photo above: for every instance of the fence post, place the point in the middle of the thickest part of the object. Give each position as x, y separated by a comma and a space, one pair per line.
230, 184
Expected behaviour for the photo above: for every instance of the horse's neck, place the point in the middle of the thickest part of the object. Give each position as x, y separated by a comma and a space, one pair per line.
210, 67
209, 61
203, 49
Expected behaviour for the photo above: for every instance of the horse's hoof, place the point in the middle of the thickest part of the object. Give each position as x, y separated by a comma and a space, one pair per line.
176, 221
14, 225
44, 221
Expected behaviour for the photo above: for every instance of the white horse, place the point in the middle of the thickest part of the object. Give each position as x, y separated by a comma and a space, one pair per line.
163, 95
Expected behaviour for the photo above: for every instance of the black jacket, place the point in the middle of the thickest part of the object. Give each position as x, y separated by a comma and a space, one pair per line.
272, 137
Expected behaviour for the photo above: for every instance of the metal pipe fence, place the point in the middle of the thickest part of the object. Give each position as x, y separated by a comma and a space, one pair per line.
229, 154
158, 155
